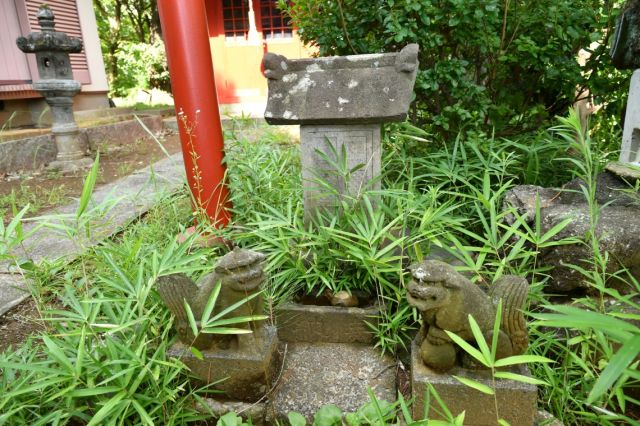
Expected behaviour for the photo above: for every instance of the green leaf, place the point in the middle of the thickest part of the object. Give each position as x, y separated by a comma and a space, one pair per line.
196, 353
475, 385
617, 365
192, 319
503, 422
519, 378
236, 320
213, 297
296, 419
229, 419
144, 415
235, 306
480, 340
225, 330
496, 329
107, 409
467, 348
81, 393
87, 188
327, 415
57, 353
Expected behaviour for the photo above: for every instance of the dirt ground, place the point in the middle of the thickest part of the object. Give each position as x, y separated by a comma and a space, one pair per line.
20, 322
43, 190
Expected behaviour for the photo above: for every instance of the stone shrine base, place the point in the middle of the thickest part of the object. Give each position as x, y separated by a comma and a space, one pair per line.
243, 376
317, 374
516, 401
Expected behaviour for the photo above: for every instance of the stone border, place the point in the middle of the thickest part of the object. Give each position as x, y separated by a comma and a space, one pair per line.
33, 153
329, 324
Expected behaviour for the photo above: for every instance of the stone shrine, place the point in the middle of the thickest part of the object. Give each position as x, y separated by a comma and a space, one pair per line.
339, 103
56, 84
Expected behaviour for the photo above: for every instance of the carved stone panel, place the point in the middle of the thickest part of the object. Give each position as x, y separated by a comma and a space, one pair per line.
355, 152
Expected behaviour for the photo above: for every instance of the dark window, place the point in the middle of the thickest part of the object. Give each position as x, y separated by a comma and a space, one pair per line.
235, 18
274, 23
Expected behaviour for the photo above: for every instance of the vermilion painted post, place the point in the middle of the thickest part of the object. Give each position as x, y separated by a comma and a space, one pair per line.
186, 38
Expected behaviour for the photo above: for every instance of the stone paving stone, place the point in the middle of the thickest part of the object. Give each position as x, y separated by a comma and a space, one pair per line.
135, 195
13, 290
317, 374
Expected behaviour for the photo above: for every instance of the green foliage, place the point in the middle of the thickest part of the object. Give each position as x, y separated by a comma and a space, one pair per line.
484, 65
141, 66
132, 45
486, 356
103, 359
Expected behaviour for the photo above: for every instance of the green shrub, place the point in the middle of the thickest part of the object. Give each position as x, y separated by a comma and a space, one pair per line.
484, 64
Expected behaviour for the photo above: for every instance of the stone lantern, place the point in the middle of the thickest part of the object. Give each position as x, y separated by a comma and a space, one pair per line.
56, 84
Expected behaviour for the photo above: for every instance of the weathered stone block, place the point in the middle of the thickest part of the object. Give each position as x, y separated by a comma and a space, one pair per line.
516, 401
243, 375
372, 88
617, 229
360, 145
331, 324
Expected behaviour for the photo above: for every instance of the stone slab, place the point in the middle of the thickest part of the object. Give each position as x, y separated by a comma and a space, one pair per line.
129, 197
27, 154
624, 170
372, 88
13, 291
630, 150
317, 374
516, 401
123, 132
328, 324
240, 375
132, 196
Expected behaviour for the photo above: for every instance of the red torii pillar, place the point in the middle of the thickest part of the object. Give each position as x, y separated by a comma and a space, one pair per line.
186, 39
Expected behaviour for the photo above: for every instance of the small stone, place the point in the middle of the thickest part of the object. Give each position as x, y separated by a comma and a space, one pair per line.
343, 298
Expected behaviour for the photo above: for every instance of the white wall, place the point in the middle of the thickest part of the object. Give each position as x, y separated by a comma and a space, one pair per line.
92, 47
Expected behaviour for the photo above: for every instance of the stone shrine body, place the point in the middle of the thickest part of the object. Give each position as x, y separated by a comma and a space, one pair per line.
339, 103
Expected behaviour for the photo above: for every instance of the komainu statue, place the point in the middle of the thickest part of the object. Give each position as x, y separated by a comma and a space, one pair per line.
240, 273
445, 299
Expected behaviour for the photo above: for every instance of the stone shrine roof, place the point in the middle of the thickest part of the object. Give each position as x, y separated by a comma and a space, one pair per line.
371, 88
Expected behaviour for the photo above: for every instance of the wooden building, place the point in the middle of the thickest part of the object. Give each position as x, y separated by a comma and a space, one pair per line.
240, 32
18, 100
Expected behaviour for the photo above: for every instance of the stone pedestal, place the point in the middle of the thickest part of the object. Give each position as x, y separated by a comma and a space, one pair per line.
516, 401
243, 375
354, 147
630, 150
71, 155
